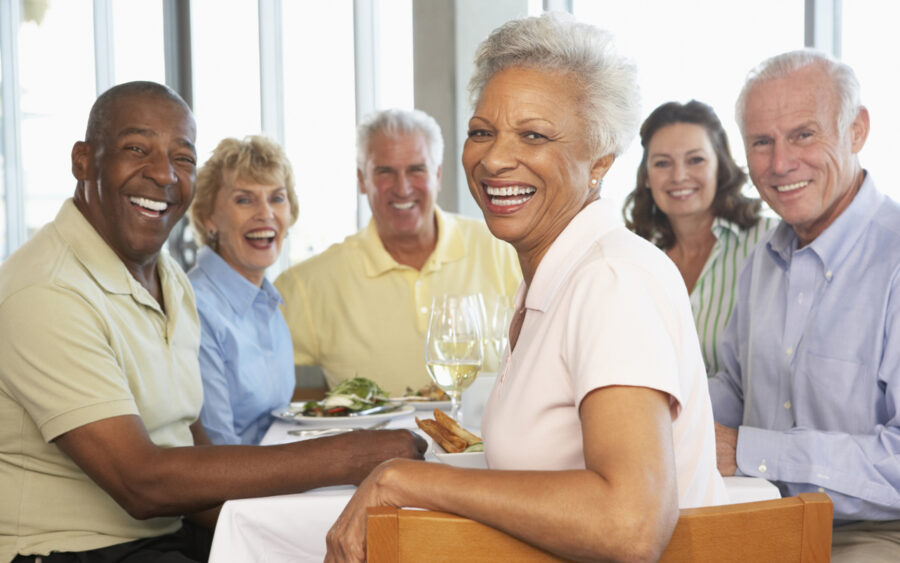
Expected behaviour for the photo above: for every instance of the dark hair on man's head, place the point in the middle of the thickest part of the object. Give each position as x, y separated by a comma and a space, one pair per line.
729, 203
99, 116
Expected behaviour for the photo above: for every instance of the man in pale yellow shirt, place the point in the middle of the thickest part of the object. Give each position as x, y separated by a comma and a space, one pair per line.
361, 307
100, 387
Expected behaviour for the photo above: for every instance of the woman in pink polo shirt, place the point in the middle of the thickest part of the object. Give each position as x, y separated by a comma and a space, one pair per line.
599, 427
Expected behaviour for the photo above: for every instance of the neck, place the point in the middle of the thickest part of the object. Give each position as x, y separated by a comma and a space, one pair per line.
693, 235
412, 250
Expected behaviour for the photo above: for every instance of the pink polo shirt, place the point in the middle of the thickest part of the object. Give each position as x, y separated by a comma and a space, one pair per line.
605, 307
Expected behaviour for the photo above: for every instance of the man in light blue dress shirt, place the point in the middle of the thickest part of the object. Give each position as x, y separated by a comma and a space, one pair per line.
808, 389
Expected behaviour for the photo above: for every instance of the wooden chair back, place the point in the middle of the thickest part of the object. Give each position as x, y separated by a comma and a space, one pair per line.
794, 529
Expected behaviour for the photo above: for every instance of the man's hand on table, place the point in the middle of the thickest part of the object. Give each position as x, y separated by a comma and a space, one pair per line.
726, 449
371, 447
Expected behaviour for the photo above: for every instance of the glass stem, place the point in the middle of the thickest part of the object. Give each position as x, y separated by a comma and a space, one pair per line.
455, 403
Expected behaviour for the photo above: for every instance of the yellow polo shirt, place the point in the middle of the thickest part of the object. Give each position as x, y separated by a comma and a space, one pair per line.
353, 310
81, 340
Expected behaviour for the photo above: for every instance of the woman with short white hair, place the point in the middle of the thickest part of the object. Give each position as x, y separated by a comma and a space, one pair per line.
599, 427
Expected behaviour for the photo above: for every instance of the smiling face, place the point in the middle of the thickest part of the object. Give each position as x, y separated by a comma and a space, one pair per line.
803, 167
401, 182
250, 221
681, 171
136, 185
528, 160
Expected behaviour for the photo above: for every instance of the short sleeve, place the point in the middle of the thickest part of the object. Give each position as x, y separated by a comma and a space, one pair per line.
621, 331
59, 364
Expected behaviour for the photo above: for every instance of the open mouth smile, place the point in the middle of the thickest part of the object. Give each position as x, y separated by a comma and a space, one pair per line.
149, 207
507, 196
262, 238
791, 187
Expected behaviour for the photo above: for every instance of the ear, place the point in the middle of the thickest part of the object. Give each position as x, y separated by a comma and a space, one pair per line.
360, 181
859, 130
439, 169
82, 161
601, 166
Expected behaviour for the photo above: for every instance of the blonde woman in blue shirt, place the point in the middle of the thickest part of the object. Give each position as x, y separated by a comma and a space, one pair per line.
688, 202
244, 205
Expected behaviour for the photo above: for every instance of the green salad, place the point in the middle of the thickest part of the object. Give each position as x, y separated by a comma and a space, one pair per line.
348, 396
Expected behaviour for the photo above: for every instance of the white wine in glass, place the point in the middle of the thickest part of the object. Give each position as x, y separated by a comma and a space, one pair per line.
454, 349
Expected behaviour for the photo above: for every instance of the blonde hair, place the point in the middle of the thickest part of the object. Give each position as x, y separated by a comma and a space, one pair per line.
254, 158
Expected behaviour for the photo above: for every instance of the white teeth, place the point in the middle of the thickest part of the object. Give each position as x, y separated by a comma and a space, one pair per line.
149, 203
791, 187
403, 206
261, 234
508, 202
681, 193
509, 190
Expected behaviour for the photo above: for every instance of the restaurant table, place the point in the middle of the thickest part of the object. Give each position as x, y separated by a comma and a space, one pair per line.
292, 527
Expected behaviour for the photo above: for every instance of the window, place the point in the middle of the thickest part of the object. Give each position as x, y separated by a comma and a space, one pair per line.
225, 44
57, 87
319, 122
138, 41
699, 49
867, 26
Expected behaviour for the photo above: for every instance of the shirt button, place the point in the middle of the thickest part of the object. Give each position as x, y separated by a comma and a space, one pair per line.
787, 404
821, 490
789, 351
424, 310
800, 299
762, 467
828, 275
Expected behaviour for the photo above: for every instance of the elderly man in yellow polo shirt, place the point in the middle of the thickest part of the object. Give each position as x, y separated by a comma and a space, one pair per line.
99, 379
361, 307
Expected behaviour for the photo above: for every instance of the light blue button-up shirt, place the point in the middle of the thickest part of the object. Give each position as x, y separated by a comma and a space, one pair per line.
810, 361
246, 356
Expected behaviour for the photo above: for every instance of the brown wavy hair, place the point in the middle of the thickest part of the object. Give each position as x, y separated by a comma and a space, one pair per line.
646, 219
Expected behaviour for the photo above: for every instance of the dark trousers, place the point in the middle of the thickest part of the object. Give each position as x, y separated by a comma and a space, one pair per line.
190, 544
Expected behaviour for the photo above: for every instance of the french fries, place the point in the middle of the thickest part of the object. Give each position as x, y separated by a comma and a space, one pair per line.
447, 432
454, 427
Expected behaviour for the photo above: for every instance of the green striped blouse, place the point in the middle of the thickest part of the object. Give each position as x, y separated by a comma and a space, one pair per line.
714, 293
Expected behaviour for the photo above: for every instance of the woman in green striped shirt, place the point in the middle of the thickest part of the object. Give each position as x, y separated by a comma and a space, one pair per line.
688, 202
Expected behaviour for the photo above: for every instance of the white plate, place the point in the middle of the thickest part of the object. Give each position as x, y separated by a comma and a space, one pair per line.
294, 413
469, 460
423, 404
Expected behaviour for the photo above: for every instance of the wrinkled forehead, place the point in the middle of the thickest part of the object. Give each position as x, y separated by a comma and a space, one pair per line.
806, 93
152, 114
399, 149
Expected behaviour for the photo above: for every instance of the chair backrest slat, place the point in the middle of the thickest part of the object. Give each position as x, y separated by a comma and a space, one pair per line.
795, 529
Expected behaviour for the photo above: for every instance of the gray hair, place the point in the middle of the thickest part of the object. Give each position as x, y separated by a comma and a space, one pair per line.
557, 42
394, 122
843, 79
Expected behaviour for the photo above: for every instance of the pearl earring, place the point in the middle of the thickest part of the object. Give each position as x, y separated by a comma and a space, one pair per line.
593, 181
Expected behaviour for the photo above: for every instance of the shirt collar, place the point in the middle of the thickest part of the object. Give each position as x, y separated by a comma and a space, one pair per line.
722, 225
105, 266
589, 225
237, 290
450, 247
837, 241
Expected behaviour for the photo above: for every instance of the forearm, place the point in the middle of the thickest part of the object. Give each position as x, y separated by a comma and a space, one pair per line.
577, 514
859, 472
150, 481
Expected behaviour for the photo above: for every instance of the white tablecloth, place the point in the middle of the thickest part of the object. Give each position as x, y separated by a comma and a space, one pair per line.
292, 528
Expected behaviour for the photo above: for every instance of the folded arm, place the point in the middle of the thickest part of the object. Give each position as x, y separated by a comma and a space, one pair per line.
624, 505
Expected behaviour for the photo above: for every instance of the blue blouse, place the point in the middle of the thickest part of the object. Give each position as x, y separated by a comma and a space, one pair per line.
246, 356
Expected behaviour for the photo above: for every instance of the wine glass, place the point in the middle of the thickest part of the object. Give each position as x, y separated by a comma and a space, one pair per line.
498, 315
454, 349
